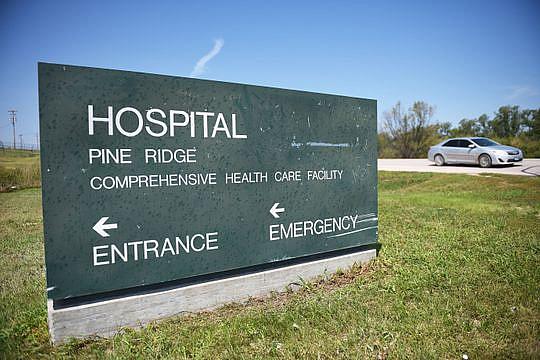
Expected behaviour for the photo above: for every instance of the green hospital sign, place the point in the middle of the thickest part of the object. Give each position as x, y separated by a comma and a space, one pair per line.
149, 179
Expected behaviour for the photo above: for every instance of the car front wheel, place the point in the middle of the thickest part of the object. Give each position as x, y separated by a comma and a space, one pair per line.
439, 160
484, 160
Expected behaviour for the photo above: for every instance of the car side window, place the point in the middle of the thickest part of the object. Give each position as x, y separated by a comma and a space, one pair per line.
452, 143
464, 143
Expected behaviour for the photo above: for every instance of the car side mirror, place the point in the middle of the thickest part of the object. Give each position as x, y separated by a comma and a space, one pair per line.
472, 146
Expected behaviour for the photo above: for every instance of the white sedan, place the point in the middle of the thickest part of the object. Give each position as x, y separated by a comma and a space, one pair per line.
473, 150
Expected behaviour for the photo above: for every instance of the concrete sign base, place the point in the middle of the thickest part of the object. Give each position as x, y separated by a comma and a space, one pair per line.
105, 318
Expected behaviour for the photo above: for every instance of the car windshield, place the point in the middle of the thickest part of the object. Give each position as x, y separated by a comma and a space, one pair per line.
484, 142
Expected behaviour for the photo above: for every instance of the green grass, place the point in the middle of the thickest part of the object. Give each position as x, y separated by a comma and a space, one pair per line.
457, 274
19, 169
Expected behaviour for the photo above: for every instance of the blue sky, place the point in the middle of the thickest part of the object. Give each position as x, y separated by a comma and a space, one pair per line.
464, 57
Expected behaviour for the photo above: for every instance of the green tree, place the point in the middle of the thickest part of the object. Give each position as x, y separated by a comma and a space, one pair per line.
409, 134
531, 122
507, 122
410, 131
482, 125
443, 129
385, 148
467, 127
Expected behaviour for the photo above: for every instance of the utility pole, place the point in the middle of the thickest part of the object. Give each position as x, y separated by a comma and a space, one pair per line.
37, 141
13, 119
20, 141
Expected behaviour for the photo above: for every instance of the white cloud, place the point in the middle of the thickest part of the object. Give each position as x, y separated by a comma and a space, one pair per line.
200, 66
521, 91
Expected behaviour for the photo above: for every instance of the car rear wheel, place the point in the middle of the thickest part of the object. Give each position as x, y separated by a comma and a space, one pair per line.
439, 160
484, 160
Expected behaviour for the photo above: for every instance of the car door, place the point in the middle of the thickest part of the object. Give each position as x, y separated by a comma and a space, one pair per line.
467, 154
451, 150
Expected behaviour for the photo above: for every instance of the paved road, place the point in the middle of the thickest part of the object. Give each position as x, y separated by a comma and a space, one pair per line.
528, 167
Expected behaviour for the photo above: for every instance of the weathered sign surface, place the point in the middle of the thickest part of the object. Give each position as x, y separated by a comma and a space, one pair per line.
150, 178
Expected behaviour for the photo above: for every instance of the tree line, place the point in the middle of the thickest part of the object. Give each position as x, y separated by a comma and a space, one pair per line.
408, 133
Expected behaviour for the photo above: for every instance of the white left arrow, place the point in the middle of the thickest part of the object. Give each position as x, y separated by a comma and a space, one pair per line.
275, 210
100, 226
